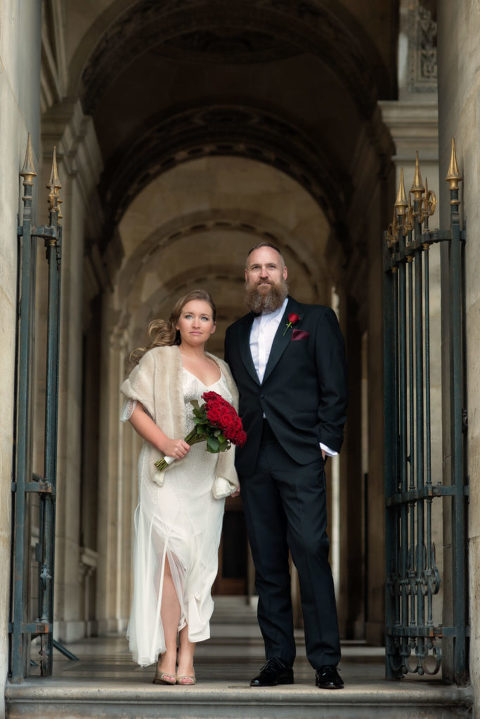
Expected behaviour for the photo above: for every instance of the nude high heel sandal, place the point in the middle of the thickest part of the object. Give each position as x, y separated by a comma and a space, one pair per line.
164, 678
186, 679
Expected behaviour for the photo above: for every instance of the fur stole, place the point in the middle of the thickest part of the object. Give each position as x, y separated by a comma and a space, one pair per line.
157, 383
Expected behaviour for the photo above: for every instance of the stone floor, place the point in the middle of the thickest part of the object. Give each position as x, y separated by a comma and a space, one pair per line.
233, 654
105, 682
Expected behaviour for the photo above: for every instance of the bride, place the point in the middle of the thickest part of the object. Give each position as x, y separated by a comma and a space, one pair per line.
178, 520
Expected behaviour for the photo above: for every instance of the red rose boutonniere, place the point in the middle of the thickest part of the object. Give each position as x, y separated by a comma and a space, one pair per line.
292, 320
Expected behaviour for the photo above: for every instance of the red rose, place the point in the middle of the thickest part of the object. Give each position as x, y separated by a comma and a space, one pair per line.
293, 318
222, 415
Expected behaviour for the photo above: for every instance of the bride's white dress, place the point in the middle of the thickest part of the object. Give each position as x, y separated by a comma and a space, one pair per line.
180, 522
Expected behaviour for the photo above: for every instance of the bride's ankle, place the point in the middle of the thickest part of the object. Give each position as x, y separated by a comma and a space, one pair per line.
185, 666
167, 662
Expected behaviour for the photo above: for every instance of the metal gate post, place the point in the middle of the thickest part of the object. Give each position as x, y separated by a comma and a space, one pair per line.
47, 499
457, 420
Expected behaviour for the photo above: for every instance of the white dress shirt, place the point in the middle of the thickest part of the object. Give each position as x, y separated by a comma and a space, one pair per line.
262, 334
264, 328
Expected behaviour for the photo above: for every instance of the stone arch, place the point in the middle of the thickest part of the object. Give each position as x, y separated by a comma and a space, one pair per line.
170, 237
333, 145
223, 130
198, 236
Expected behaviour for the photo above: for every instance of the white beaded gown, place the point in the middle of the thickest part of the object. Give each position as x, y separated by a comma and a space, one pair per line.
180, 522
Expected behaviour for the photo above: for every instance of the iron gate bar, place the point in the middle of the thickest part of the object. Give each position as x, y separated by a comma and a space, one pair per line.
412, 575
401, 565
47, 501
427, 492
44, 487
26, 267
457, 411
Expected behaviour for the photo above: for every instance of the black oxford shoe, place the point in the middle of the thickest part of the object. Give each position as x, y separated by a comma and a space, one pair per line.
274, 672
327, 677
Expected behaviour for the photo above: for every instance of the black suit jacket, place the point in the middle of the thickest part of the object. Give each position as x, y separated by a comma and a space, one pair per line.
303, 394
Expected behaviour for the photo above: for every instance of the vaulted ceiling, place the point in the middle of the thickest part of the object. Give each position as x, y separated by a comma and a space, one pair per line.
290, 83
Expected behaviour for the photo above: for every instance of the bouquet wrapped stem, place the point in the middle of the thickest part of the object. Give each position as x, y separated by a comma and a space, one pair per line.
216, 423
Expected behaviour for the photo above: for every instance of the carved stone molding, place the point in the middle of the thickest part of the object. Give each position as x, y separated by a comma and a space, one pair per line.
422, 48
54, 70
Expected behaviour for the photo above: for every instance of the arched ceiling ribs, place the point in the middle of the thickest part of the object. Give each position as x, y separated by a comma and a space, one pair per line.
227, 130
220, 221
241, 31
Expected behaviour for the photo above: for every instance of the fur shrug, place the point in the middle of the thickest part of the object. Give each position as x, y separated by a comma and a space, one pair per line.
157, 383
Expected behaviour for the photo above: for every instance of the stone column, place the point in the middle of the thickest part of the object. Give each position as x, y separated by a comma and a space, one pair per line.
19, 115
351, 593
79, 168
371, 172
459, 89
414, 128
116, 498
412, 122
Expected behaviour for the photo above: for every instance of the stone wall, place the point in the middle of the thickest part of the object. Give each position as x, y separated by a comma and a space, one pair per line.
19, 115
459, 92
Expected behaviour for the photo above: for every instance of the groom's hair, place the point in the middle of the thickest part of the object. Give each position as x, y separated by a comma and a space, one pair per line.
265, 244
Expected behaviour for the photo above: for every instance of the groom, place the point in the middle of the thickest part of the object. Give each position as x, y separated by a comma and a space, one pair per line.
288, 362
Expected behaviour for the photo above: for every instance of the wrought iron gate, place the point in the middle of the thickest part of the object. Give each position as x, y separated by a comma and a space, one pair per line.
27, 621
413, 638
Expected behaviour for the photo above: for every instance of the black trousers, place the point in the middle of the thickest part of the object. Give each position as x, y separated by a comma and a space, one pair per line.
285, 508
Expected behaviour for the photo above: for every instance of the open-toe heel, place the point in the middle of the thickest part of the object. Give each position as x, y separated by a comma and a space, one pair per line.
164, 678
186, 679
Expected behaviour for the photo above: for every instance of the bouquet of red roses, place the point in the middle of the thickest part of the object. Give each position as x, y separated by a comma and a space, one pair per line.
216, 423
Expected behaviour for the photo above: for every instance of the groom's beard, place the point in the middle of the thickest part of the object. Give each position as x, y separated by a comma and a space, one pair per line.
269, 301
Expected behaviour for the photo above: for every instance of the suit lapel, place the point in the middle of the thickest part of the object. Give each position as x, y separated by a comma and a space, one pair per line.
280, 341
244, 343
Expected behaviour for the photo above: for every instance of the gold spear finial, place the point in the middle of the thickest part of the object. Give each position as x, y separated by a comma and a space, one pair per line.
54, 182
401, 203
28, 169
417, 188
453, 176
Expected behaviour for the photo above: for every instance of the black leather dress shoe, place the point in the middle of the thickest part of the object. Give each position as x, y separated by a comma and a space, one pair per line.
327, 677
274, 672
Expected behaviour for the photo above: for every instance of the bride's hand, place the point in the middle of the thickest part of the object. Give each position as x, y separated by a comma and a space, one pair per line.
176, 448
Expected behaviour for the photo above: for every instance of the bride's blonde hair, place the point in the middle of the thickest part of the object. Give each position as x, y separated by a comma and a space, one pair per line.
162, 333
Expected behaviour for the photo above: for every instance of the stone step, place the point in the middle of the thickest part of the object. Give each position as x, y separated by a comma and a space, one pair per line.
80, 699
104, 682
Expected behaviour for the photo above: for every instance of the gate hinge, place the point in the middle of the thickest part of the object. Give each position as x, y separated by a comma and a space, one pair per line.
14, 487
41, 487
464, 420
36, 628
33, 627
46, 232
